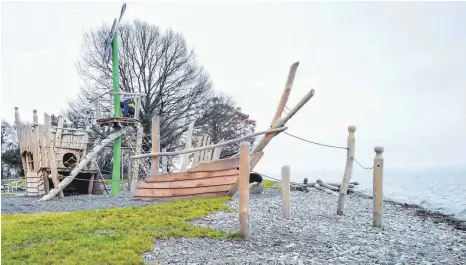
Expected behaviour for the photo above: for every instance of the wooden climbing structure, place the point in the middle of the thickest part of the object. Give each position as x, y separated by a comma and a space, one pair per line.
49, 153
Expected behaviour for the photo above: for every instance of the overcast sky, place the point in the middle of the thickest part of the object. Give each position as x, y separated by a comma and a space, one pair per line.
397, 71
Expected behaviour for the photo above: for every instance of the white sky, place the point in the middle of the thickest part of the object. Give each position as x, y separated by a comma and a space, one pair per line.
395, 70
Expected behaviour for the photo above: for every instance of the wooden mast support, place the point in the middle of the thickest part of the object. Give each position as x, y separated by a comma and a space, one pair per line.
244, 169
348, 170
378, 187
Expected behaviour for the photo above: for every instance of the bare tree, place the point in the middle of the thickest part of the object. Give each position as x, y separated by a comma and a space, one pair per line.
11, 160
158, 64
221, 119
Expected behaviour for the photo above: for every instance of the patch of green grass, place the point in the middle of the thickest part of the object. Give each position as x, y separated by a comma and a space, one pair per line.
122, 181
8, 194
20, 182
109, 236
270, 184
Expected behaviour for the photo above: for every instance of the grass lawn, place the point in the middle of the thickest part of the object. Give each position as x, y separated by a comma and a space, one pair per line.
269, 184
110, 236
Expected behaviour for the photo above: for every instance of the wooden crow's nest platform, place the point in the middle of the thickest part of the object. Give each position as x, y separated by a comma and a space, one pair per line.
123, 121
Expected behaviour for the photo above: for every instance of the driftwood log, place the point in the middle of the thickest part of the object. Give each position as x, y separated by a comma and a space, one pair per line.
332, 188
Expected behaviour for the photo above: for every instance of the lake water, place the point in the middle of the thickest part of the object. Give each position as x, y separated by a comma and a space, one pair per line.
441, 190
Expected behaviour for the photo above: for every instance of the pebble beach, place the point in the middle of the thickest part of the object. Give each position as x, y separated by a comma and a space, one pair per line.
313, 235
316, 235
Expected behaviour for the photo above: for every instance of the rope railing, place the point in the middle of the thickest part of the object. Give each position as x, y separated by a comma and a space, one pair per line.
331, 146
312, 142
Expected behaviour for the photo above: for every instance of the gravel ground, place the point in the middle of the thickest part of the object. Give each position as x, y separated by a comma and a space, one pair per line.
316, 235
23, 204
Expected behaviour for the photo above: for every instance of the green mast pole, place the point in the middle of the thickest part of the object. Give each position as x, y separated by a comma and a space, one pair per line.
116, 113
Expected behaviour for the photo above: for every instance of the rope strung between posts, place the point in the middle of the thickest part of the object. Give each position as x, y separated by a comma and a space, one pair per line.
332, 146
311, 142
363, 167
291, 182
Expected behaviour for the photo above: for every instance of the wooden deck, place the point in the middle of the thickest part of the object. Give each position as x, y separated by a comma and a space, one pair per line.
124, 121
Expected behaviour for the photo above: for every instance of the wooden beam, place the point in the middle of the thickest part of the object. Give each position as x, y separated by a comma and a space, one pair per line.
179, 176
180, 191
212, 146
190, 183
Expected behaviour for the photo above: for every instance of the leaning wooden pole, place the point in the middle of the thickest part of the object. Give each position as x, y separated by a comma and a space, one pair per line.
378, 187
244, 189
88, 158
348, 170
278, 112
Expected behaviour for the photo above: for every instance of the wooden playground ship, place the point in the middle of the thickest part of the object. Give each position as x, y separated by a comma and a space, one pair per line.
209, 176
50, 153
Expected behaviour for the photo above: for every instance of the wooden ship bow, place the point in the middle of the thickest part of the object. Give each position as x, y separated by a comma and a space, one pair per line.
209, 176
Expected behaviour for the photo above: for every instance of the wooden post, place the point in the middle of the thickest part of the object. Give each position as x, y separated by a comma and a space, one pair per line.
348, 170
377, 186
244, 189
286, 192
155, 145
91, 185
46, 181
35, 141
58, 135
51, 154
43, 149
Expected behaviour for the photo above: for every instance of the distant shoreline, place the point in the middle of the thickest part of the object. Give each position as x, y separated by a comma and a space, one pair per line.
436, 216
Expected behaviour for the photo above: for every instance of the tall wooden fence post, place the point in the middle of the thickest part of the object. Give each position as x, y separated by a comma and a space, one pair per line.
244, 166
286, 191
155, 145
378, 187
348, 170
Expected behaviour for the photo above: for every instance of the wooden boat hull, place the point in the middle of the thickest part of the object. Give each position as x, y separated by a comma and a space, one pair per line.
207, 180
